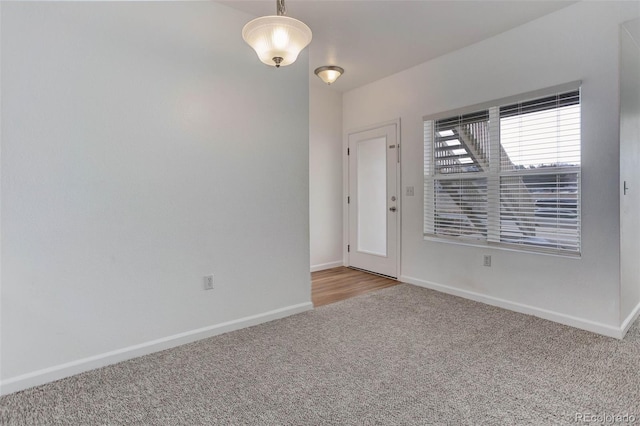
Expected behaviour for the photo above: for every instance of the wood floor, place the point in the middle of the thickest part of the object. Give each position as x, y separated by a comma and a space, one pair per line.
333, 285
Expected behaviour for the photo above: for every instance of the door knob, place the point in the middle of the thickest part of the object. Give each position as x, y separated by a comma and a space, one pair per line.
393, 209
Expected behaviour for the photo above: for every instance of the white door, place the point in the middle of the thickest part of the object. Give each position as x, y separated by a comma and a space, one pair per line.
373, 200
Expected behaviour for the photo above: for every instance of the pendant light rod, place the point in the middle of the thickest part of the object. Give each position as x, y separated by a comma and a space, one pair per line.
282, 10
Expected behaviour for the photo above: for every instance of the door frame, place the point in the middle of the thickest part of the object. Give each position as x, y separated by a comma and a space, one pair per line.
345, 190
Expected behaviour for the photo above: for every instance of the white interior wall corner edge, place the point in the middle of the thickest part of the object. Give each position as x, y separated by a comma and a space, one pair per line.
0, 201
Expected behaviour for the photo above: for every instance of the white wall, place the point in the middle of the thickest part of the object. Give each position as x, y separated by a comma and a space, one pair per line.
325, 175
630, 169
144, 146
579, 42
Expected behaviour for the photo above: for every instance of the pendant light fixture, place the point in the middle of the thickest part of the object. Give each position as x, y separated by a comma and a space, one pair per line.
277, 39
329, 73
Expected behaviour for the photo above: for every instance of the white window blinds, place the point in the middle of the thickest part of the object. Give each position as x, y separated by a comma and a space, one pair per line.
540, 173
508, 174
456, 189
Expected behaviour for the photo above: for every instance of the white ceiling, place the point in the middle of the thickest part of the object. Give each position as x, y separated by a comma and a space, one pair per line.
374, 39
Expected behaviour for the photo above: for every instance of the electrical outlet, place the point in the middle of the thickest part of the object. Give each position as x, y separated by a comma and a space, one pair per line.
208, 282
487, 260
410, 191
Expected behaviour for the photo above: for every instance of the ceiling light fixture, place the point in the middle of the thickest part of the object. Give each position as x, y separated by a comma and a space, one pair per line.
277, 39
329, 73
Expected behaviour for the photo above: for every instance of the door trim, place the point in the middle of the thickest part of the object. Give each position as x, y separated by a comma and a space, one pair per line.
345, 190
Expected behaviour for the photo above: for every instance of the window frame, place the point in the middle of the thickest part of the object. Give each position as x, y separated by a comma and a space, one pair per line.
494, 177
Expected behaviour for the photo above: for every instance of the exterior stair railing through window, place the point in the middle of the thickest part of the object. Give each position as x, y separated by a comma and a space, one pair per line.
467, 150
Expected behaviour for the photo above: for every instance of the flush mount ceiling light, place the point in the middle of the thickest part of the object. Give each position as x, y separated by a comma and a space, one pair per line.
277, 39
329, 73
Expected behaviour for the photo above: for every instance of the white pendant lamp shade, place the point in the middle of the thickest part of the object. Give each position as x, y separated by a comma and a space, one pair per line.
277, 39
329, 73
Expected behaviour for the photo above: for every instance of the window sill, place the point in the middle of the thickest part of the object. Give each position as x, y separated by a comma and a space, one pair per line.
499, 246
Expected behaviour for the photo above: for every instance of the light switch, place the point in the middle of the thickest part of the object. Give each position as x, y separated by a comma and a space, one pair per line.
410, 192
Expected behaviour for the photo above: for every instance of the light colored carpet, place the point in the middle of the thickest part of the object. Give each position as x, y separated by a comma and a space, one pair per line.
400, 356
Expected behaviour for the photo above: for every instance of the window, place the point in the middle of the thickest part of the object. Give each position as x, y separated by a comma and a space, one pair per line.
507, 174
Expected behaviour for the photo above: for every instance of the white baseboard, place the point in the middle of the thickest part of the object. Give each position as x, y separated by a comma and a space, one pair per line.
628, 322
569, 320
323, 266
46, 375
